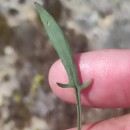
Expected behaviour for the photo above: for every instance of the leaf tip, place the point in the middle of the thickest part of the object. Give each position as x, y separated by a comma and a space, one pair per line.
87, 84
37, 5
64, 85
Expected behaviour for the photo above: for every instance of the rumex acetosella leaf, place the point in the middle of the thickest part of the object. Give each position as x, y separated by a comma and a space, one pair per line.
60, 43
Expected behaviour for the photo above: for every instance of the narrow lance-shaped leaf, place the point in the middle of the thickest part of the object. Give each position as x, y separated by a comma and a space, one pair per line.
61, 45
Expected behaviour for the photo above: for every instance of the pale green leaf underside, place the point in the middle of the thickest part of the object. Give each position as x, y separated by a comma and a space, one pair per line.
61, 45
59, 42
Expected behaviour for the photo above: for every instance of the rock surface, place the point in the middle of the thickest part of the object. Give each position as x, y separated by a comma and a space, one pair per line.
106, 23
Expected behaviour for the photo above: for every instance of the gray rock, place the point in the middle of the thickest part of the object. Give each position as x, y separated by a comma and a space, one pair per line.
18, 11
104, 22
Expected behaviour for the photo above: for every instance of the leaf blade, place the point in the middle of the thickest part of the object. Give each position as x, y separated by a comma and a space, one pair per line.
59, 42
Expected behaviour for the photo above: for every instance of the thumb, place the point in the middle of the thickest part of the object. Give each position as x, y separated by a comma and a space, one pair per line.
120, 123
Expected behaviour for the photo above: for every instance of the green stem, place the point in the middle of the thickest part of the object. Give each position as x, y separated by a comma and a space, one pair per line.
78, 106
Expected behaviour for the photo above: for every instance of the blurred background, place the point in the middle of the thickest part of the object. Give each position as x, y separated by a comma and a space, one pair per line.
26, 100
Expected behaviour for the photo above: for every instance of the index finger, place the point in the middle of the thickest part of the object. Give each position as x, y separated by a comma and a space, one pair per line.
110, 71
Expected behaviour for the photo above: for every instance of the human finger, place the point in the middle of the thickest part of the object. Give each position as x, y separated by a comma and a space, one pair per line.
119, 123
110, 71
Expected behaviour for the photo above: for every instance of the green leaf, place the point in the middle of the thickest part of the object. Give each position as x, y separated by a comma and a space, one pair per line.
60, 43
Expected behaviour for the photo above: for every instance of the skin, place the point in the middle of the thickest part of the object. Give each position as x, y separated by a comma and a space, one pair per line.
110, 70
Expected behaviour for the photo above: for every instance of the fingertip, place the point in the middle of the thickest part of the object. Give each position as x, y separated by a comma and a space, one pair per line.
110, 87
57, 73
